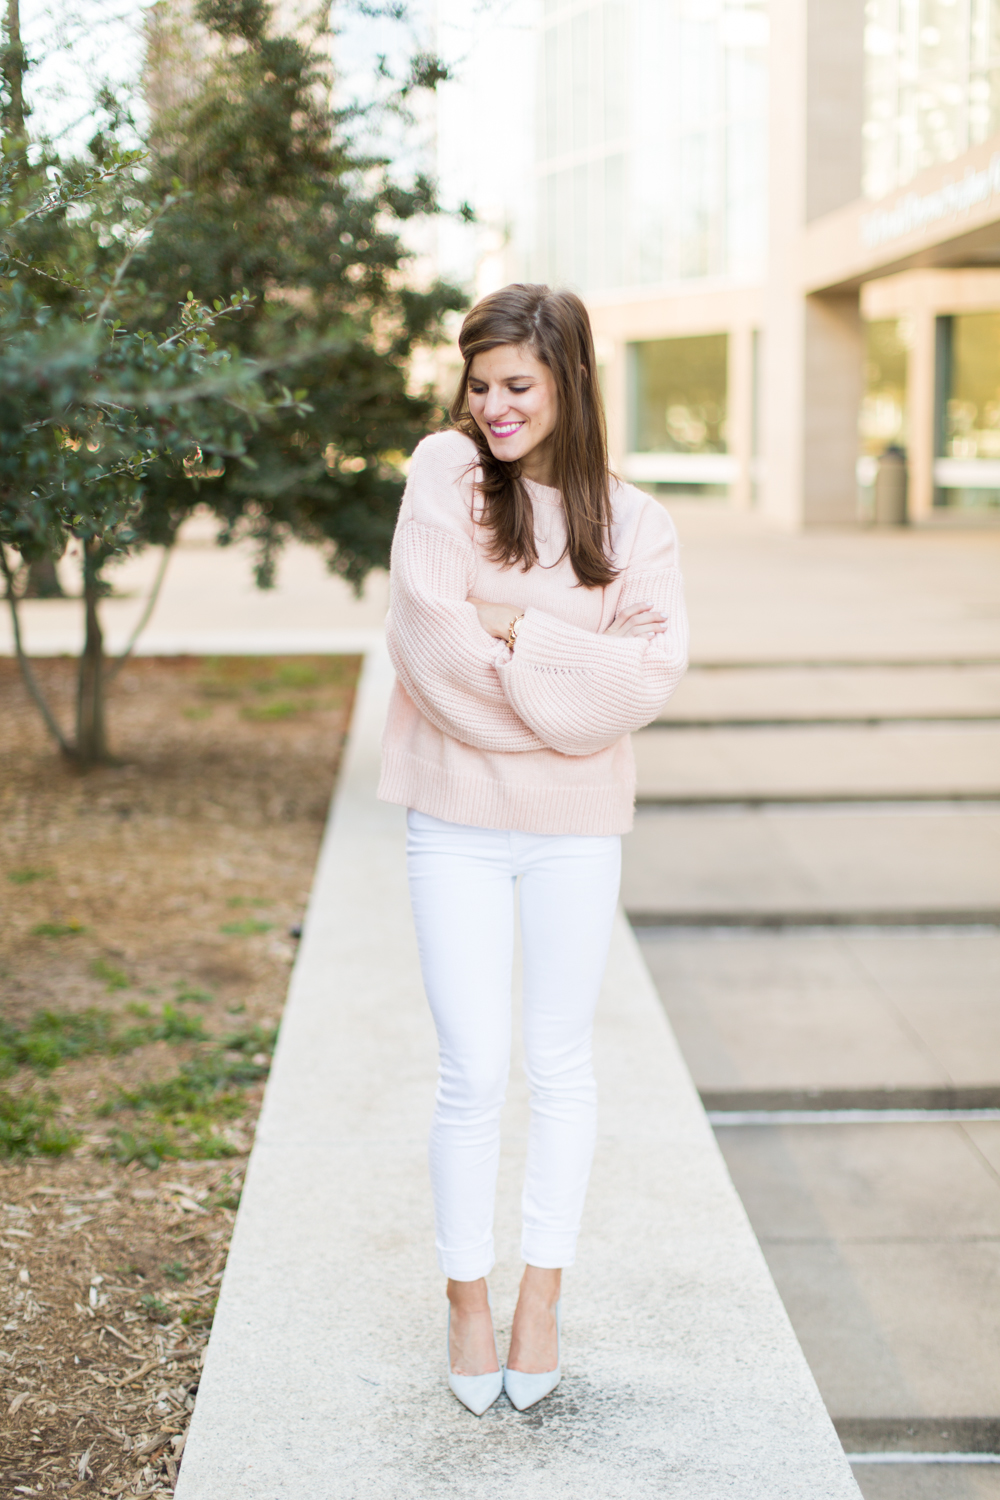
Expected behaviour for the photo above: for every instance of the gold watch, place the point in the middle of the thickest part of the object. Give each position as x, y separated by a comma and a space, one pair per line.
512, 630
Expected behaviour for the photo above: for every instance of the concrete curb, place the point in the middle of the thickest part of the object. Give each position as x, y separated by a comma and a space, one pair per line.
325, 1371
68, 641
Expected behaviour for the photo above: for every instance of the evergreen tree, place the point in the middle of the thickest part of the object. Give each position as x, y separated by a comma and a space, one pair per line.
89, 408
155, 310
278, 204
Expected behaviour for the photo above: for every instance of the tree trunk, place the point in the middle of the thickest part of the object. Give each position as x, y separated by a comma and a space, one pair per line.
91, 729
43, 580
14, 72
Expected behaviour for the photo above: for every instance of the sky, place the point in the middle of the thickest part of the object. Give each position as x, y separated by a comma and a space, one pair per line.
475, 137
74, 47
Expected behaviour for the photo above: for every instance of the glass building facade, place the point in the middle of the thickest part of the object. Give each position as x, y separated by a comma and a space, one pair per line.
650, 194
651, 144
932, 85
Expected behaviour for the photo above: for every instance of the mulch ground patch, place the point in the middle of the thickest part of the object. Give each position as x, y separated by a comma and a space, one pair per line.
149, 910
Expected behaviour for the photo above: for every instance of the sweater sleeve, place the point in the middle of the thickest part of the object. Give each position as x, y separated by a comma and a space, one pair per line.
581, 691
445, 660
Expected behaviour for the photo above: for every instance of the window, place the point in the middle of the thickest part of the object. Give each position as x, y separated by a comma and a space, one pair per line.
883, 421
677, 416
967, 471
679, 395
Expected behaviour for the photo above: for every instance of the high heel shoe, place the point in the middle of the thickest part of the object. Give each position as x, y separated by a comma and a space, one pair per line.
477, 1392
524, 1390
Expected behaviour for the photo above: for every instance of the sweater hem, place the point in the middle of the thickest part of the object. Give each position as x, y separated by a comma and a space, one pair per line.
477, 802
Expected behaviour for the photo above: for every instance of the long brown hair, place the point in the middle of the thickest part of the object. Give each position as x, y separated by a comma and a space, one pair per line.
556, 329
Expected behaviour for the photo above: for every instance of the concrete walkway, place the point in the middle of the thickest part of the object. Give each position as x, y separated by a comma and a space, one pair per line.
210, 605
325, 1372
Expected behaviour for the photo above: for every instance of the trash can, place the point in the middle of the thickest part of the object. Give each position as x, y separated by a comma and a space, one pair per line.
890, 488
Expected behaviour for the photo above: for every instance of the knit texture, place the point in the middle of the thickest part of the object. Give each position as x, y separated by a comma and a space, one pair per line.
534, 739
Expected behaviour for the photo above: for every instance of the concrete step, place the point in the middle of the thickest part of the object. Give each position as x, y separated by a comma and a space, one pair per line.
325, 1372
894, 761
760, 693
974, 1479
858, 864
883, 1237
849, 1013
884, 1242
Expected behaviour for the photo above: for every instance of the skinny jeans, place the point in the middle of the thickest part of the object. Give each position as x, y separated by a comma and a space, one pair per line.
463, 885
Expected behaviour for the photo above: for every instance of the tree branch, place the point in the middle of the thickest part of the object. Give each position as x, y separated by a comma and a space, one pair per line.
27, 674
112, 672
137, 239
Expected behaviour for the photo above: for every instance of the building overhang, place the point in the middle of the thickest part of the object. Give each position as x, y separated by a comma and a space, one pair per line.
676, 310
946, 217
934, 291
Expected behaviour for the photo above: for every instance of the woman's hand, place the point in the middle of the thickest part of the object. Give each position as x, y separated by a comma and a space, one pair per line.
638, 619
495, 618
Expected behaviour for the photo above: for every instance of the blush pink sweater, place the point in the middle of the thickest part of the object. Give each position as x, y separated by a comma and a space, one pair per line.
535, 739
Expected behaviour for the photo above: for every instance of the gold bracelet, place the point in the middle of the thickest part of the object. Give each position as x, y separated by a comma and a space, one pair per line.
512, 631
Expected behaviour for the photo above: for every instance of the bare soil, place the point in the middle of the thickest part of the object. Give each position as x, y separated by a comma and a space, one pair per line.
149, 910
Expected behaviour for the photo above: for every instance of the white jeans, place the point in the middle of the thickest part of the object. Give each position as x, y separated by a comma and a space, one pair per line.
462, 884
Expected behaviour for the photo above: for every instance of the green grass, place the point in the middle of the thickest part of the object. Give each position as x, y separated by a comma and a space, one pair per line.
246, 928
198, 1143
57, 929
26, 1128
207, 1085
295, 674
242, 676
53, 1037
187, 1107
176, 1270
226, 1197
26, 875
153, 1307
175, 1117
114, 978
249, 901
175, 1026
201, 1315
280, 708
150, 1150
186, 993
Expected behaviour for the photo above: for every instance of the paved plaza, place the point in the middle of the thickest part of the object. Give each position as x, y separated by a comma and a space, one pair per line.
815, 878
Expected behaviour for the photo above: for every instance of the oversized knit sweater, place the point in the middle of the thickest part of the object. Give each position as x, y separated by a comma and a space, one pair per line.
535, 739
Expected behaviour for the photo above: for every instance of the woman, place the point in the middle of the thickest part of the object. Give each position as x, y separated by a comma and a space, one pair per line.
537, 618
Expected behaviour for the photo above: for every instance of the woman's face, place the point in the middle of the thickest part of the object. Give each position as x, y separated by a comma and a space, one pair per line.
512, 399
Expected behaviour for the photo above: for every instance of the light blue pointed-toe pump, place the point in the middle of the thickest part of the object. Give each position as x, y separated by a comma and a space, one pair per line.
477, 1392
524, 1390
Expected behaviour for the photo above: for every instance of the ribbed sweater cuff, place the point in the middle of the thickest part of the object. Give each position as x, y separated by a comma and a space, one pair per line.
543, 640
